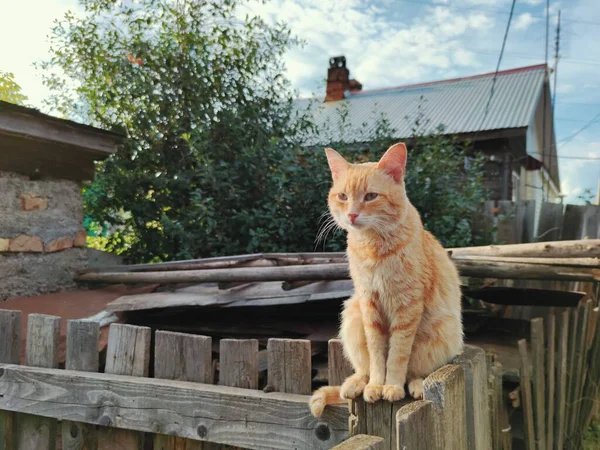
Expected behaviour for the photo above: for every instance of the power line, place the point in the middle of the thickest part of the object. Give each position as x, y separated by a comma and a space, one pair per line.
583, 128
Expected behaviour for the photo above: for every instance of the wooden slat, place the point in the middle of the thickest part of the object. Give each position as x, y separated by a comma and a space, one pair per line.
184, 357
82, 355
445, 388
238, 363
41, 350
527, 402
474, 364
127, 353
10, 353
582, 348
550, 222
551, 377
289, 366
539, 381
571, 364
244, 417
414, 423
339, 368
591, 389
361, 442
561, 381
493, 413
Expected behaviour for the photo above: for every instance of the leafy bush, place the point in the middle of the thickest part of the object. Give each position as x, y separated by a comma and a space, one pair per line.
213, 162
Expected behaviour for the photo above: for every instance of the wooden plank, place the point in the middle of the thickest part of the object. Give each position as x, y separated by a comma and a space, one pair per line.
41, 350
551, 377
493, 401
561, 381
474, 364
184, 357
539, 381
82, 355
591, 389
507, 232
527, 402
550, 222
289, 366
526, 213
571, 364
361, 442
414, 423
581, 353
127, 353
580, 248
445, 388
244, 417
573, 222
238, 363
10, 353
339, 368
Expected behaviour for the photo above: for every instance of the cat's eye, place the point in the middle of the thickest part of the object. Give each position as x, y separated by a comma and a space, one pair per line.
342, 196
371, 196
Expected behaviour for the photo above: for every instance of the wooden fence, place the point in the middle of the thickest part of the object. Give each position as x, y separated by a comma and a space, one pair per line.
156, 391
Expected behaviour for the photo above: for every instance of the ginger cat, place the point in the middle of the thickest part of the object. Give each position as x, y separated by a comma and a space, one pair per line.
404, 320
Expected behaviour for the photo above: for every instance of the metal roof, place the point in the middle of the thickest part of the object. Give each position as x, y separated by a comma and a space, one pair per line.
458, 105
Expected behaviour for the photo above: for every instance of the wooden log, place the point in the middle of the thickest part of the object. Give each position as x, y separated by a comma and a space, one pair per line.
561, 381
479, 428
566, 262
361, 442
10, 353
551, 377
234, 416
41, 350
414, 423
483, 269
445, 388
238, 363
289, 366
184, 357
539, 381
584, 248
127, 353
339, 368
82, 355
526, 396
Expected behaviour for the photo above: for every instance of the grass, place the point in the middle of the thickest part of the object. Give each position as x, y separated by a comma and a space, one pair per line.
591, 439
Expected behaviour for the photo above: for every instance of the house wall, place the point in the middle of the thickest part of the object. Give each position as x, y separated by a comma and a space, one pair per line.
41, 235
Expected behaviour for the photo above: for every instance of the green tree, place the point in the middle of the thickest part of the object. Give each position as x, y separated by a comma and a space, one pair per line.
10, 91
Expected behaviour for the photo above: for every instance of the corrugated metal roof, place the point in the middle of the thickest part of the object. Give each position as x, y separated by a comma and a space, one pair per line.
458, 105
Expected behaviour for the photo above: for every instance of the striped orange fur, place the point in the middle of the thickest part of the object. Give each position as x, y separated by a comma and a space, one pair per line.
404, 319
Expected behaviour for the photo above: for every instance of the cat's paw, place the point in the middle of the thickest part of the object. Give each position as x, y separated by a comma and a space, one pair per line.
415, 388
373, 392
317, 405
393, 392
353, 387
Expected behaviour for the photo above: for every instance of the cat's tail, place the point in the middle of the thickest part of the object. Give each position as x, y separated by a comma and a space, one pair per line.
326, 395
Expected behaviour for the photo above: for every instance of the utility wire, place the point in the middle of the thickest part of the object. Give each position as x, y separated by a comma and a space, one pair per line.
569, 138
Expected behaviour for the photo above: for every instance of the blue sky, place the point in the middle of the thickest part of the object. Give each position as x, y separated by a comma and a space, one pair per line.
395, 42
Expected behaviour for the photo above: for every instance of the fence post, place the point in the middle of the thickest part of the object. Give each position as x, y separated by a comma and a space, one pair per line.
128, 353
10, 353
339, 368
527, 404
445, 388
561, 380
414, 423
539, 380
82, 354
238, 363
183, 357
289, 366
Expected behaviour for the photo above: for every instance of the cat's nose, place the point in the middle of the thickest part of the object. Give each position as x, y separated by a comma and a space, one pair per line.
352, 217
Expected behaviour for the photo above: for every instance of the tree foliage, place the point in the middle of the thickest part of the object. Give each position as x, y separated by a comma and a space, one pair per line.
213, 162
10, 91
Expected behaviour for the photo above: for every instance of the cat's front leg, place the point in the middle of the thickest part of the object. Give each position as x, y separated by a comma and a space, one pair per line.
376, 336
403, 328
353, 338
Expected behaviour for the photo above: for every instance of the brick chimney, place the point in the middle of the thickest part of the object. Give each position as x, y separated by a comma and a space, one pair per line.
338, 80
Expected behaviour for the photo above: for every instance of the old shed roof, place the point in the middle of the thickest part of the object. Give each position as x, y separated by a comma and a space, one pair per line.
458, 104
36, 144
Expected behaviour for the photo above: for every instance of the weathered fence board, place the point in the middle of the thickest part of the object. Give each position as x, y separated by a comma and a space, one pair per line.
127, 353
183, 357
10, 353
527, 402
82, 355
551, 222
414, 423
551, 377
361, 442
474, 364
238, 364
561, 380
243, 417
539, 381
445, 388
289, 366
339, 368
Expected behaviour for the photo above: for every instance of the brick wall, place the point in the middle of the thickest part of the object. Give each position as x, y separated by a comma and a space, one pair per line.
41, 235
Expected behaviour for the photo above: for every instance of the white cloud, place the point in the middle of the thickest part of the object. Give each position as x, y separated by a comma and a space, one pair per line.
524, 21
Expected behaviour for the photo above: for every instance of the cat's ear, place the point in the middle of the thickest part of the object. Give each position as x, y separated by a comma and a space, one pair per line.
337, 163
394, 161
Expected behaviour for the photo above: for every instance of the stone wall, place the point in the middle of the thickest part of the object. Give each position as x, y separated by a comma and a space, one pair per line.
41, 235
